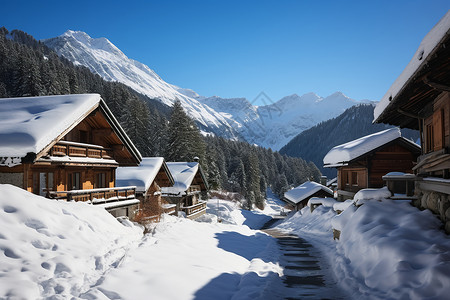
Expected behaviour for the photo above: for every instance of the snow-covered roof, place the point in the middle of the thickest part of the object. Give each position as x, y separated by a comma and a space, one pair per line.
342, 154
183, 174
141, 176
33, 124
29, 124
420, 58
304, 191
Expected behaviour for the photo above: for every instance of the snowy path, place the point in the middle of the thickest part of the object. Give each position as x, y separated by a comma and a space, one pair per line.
304, 276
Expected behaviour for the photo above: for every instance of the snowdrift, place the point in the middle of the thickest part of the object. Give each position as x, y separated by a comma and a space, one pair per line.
387, 249
50, 247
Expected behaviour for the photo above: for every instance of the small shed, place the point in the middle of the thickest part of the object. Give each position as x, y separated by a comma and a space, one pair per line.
189, 184
299, 196
363, 162
149, 177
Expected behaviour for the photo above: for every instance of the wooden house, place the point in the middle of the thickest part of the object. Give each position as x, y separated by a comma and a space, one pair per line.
66, 147
362, 163
298, 197
149, 177
420, 99
189, 183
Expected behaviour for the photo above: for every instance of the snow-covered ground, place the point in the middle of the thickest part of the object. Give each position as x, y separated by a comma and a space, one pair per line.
387, 249
59, 250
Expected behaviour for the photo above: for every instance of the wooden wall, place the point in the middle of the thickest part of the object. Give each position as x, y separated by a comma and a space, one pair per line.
393, 158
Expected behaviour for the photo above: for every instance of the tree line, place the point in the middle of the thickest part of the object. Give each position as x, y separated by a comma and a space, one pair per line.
29, 68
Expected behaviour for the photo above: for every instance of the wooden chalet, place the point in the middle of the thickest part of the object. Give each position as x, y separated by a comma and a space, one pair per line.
149, 177
186, 192
66, 147
420, 99
362, 163
298, 197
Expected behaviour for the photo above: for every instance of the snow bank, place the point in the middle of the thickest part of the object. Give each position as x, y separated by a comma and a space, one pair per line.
50, 247
341, 206
387, 249
392, 250
371, 194
327, 202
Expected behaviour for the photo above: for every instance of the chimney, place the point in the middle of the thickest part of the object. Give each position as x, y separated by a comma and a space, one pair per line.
196, 159
323, 180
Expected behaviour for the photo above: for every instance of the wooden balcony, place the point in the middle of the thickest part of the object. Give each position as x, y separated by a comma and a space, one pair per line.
195, 210
169, 209
65, 148
96, 196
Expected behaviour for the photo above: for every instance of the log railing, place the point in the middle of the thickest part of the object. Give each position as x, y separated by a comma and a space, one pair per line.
63, 148
190, 210
96, 195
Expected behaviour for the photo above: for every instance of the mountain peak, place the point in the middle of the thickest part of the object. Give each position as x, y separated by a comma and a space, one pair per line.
94, 43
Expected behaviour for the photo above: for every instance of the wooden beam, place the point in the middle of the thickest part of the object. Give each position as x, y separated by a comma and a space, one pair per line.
102, 131
436, 86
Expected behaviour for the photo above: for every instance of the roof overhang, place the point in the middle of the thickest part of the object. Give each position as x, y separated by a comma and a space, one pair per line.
422, 81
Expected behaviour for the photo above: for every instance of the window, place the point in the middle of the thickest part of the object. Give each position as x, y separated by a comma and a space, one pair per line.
84, 136
100, 180
74, 182
347, 178
42, 182
354, 178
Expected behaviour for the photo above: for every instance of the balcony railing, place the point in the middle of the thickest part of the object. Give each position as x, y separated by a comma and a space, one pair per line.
193, 209
63, 148
169, 209
96, 196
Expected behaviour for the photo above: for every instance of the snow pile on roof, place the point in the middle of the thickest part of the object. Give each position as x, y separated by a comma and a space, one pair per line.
327, 202
29, 124
342, 154
304, 191
371, 194
341, 206
50, 247
183, 173
428, 44
141, 176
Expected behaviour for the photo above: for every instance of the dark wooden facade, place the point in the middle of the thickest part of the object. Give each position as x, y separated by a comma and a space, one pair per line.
367, 170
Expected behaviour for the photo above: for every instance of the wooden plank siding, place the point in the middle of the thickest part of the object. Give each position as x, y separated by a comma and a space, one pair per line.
369, 169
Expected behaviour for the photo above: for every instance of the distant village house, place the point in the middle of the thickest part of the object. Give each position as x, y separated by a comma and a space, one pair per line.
149, 177
362, 163
298, 197
186, 192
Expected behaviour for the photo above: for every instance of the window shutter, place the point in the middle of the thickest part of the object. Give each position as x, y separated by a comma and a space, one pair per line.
438, 130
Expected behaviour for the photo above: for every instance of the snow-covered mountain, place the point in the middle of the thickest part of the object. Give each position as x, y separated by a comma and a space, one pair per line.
105, 59
274, 125
271, 125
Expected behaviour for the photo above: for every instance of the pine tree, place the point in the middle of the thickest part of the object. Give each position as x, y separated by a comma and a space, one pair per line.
185, 141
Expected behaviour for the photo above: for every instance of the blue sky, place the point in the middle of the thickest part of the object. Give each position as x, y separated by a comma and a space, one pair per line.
240, 48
